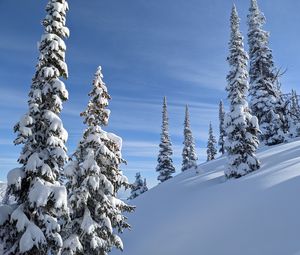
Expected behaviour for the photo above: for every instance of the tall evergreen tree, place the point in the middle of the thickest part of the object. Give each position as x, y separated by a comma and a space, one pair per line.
145, 185
240, 126
32, 224
211, 144
221, 128
94, 180
165, 166
294, 115
294, 105
189, 156
139, 186
266, 102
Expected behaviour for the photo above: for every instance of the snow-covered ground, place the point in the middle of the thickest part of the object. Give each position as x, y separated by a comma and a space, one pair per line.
205, 214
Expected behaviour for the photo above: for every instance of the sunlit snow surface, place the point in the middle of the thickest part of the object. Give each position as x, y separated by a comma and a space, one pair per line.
203, 213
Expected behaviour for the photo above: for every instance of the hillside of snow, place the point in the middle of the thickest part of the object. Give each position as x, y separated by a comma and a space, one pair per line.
203, 214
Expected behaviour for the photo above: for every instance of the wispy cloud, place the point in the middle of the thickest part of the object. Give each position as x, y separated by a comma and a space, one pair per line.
210, 79
145, 149
12, 97
8, 161
6, 141
139, 148
16, 44
144, 116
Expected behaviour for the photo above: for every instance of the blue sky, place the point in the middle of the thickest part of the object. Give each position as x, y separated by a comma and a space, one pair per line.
148, 49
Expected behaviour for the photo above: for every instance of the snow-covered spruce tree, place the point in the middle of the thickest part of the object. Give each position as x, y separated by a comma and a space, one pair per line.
211, 144
165, 166
265, 96
294, 104
189, 156
145, 185
240, 126
32, 225
294, 115
138, 187
94, 180
221, 128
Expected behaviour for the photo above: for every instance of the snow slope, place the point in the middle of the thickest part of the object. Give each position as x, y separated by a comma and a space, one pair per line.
203, 214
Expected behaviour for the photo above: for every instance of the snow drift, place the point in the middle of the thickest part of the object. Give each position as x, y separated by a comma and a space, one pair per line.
204, 213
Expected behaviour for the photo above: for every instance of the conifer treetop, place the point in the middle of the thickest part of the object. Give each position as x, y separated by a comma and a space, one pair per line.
238, 62
96, 113
258, 18
187, 118
165, 119
138, 187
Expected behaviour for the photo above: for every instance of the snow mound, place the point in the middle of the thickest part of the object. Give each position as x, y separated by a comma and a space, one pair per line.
205, 214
